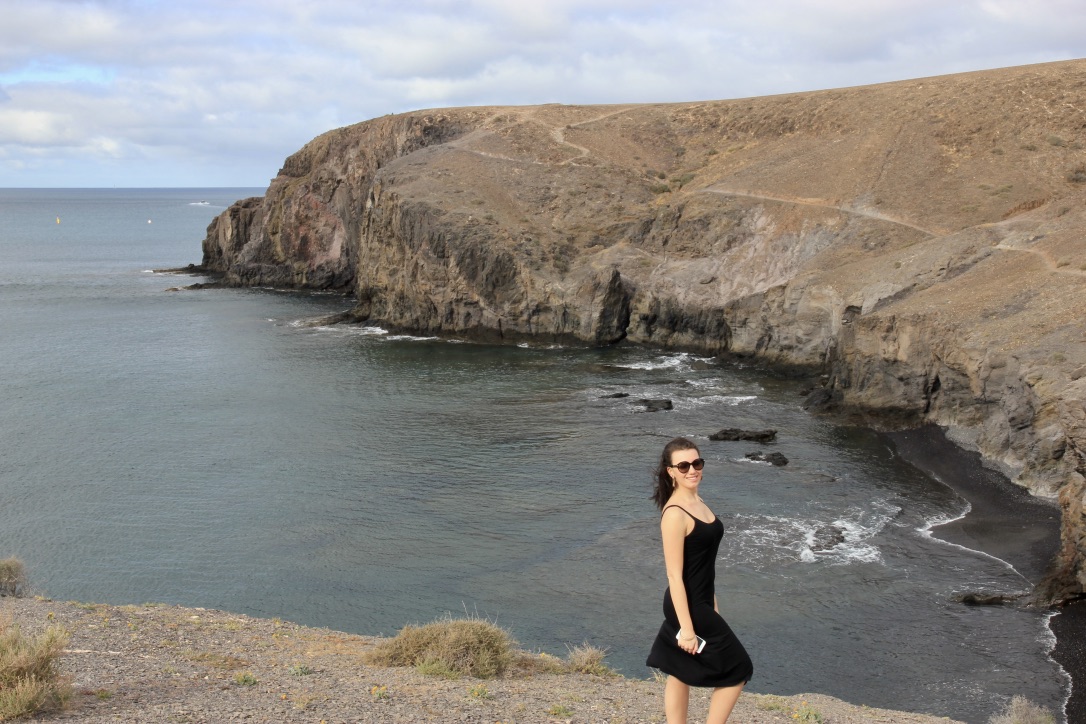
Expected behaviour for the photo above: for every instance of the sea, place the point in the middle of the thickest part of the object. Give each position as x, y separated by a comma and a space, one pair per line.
212, 448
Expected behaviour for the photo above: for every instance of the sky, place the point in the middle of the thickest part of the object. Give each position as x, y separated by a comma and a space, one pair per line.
201, 93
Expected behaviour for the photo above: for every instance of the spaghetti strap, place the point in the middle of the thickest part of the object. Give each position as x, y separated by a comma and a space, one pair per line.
680, 508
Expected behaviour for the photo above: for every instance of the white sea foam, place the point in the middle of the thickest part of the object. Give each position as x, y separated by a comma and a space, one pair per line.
729, 400
343, 329
942, 519
680, 361
927, 531
766, 540
1048, 639
407, 338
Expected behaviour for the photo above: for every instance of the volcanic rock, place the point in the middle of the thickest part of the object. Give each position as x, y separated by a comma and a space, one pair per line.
734, 433
775, 458
922, 244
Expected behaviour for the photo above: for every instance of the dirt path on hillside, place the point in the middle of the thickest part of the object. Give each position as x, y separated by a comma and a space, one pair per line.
559, 135
823, 204
1045, 258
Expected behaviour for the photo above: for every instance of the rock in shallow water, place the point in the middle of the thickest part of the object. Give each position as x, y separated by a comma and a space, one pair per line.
734, 433
827, 537
985, 598
775, 458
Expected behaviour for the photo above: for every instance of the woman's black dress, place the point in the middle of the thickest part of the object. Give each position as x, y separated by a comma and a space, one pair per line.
723, 661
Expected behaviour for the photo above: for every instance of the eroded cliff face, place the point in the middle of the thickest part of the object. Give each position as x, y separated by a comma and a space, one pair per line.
920, 243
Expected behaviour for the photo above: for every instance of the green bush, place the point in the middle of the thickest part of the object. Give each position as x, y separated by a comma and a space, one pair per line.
29, 678
1021, 710
449, 647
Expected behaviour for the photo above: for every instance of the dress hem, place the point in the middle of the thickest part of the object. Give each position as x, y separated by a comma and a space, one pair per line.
702, 686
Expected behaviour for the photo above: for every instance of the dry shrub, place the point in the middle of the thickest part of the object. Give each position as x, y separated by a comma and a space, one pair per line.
582, 659
29, 679
464, 647
529, 664
1021, 710
12, 577
587, 659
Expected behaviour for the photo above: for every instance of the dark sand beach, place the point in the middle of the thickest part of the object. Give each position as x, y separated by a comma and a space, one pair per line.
1006, 522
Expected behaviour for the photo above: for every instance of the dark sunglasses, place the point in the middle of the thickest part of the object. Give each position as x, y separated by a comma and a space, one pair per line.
684, 467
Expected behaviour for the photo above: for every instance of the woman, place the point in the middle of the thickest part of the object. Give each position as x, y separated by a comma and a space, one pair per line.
691, 535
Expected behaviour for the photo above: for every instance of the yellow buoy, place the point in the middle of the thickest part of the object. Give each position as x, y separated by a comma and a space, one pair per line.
58, 219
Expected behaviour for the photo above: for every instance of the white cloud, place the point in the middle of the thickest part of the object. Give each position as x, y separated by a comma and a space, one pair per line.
35, 128
220, 93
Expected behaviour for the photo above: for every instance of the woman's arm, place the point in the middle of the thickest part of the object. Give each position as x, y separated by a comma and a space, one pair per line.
673, 531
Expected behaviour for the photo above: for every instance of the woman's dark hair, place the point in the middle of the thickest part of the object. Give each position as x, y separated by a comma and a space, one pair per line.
662, 485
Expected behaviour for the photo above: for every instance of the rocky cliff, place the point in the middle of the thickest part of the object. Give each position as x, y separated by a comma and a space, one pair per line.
921, 243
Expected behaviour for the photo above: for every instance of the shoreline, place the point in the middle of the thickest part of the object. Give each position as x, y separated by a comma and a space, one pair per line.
102, 630
998, 506
159, 663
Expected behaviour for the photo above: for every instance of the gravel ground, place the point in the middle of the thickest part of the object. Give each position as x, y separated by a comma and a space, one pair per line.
170, 664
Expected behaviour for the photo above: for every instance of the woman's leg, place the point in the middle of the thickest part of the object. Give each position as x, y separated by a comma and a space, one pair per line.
676, 700
722, 703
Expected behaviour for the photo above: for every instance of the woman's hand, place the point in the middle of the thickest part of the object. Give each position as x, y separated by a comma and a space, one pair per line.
688, 641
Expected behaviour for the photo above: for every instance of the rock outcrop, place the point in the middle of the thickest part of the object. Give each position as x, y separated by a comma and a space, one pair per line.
920, 243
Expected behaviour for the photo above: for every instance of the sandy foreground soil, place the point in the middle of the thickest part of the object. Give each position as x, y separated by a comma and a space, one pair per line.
156, 663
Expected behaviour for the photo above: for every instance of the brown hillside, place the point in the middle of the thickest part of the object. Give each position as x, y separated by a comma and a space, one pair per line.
922, 243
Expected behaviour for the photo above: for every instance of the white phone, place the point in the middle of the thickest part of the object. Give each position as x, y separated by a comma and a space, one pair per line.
701, 642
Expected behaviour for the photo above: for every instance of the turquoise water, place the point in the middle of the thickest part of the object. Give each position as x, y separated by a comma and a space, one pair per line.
207, 448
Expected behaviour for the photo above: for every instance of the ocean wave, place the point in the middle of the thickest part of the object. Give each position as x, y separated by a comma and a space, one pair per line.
344, 329
407, 338
927, 530
657, 392
1048, 640
357, 331
942, 519
679, 361
729, 400
529, 345
763, 540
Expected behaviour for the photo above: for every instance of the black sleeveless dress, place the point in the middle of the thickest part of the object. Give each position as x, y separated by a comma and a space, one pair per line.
723, 661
